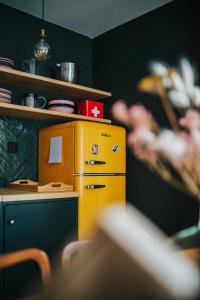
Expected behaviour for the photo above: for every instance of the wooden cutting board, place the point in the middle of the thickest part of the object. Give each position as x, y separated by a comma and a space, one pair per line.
34, 186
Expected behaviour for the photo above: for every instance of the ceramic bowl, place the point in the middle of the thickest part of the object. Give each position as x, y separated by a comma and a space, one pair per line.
2, 100
7, 60
58, 101
3, 95
68, 110
5, 64
5, 91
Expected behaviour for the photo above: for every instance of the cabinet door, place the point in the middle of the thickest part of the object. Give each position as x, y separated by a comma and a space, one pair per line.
46, 225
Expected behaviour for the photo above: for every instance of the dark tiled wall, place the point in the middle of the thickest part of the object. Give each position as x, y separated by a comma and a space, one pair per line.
23, 163
19, 32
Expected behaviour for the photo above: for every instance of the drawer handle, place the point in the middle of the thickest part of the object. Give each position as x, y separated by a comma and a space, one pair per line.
11, 222
95, 186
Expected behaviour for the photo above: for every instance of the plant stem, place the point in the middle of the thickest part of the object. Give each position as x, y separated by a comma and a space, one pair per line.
168, 108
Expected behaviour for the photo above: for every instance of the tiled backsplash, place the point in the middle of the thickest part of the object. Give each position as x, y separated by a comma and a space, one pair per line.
23, 164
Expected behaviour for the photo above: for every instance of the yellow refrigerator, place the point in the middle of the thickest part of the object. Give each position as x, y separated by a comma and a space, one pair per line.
90, 156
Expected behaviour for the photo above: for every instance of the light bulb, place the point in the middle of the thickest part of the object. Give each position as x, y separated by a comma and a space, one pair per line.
42, 50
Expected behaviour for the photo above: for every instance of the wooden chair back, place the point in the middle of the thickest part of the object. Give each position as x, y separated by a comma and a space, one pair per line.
34, 254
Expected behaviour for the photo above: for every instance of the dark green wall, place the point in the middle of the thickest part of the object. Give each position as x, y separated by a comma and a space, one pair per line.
19, 33
121, 58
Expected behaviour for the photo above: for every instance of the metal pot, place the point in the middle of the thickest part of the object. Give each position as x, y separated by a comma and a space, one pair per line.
67, 71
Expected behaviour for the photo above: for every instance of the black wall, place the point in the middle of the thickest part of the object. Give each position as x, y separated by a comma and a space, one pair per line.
121, 58
19, 33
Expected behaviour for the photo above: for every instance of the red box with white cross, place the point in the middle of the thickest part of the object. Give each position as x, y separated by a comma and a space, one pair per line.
90, 108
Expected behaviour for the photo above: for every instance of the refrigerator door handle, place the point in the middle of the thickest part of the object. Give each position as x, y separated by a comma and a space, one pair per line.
95, 162
95, 186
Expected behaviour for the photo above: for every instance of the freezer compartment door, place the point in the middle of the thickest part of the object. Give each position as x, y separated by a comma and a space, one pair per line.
99, 148
95, 194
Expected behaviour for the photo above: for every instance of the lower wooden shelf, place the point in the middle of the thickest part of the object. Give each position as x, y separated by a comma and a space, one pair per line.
20, 111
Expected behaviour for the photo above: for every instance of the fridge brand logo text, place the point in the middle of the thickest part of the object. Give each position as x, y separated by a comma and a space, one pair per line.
105, 134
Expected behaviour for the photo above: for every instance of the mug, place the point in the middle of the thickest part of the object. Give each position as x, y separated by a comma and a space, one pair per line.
33, 100
30, 65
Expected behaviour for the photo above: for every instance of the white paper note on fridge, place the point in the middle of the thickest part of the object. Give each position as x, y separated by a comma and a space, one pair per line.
55, 153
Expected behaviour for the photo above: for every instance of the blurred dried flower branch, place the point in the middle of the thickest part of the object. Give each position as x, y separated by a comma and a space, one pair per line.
174, 154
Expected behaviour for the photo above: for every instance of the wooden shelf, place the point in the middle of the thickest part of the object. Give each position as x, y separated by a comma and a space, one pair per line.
19, 78
21, 111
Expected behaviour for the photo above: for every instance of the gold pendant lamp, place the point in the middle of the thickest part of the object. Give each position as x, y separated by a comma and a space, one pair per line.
42, 50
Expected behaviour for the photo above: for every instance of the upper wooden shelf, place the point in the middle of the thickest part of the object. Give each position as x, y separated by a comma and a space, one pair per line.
19, 78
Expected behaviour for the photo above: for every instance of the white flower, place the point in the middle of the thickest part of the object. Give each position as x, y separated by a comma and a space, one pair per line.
195, 96
178, 82
179, 99
170, 145
167, 82
146, 136
158, 68
188, 75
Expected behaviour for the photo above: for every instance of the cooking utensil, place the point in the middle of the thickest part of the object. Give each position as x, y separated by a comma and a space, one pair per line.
67, 71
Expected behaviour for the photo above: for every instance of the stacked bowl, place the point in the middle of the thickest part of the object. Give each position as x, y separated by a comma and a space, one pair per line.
66, 106
6, 62
5, 96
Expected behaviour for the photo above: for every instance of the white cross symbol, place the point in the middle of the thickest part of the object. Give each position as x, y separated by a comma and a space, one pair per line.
95, 111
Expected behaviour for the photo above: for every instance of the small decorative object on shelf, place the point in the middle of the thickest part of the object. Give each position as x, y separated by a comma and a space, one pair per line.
90, 108
168, 152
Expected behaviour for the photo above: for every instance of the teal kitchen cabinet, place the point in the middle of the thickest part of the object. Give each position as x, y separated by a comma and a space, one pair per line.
47, 224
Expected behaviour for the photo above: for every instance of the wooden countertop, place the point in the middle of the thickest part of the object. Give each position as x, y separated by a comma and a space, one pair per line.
18, 195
